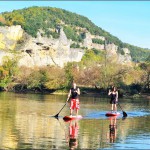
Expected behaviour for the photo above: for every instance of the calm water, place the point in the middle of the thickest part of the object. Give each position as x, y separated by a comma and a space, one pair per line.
26, 122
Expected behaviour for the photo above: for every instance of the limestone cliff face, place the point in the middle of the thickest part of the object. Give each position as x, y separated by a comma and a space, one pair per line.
43, 51
112, 54
87, 41
9, 37
111, 49
40, 51
98, 46
98, 37
126, 58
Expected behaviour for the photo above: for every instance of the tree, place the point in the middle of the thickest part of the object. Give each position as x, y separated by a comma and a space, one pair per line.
8, 71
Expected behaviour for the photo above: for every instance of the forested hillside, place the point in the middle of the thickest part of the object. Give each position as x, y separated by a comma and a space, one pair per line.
48, 19
96, 68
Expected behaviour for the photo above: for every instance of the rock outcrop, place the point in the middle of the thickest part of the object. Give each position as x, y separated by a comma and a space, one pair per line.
98, 37
126, 58
98, 46
43, 51
9, 37
115, 56
88, 40
40, 51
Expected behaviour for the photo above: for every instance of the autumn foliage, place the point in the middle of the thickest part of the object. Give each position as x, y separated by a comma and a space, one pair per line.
94, 70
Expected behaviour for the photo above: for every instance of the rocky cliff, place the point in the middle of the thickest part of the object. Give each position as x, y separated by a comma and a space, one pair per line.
9, 37
43, 51
39, 51
111, 49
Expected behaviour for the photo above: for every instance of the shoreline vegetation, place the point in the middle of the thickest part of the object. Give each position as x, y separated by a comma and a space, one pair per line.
85, 91
94, 74
92, 79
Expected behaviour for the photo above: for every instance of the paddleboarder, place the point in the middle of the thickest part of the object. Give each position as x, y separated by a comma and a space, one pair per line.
114, 99
74, 92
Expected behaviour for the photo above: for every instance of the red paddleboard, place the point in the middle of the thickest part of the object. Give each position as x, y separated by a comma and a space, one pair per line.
112, 117
109, 114
67, 118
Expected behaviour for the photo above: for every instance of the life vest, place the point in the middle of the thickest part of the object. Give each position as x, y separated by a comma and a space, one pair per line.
74, 94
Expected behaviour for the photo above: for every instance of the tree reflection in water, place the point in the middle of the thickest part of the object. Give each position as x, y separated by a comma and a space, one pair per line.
26, 123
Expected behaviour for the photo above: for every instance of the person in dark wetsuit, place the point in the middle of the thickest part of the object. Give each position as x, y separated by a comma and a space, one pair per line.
114, 99
74, 92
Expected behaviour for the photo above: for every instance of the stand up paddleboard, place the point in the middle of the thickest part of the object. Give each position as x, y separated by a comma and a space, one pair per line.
67, 118
109, 114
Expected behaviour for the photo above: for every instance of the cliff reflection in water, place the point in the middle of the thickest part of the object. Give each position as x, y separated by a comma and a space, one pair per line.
25, 122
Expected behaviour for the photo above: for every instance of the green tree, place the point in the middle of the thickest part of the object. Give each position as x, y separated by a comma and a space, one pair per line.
98, 41
9, 69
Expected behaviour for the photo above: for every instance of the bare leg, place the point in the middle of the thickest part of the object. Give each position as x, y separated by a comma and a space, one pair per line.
115, 107
112, 107
71, 110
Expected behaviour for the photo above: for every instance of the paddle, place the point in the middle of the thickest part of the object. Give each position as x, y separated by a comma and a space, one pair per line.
124, 113
56, 116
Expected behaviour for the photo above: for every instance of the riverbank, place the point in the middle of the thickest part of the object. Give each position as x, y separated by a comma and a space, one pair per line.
87, 91
145, 95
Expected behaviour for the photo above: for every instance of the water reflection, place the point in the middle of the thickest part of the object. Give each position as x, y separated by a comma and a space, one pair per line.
112, 129
73, 134
25, 123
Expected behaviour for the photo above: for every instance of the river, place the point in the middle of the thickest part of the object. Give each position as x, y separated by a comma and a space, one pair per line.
27, 122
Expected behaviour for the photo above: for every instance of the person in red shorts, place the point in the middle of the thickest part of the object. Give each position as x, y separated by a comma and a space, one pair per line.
74, 92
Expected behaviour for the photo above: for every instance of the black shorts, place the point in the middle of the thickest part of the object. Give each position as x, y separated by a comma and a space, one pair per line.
113, 101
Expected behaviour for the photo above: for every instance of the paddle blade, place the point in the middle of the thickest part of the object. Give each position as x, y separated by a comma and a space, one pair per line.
124, 114
56, 116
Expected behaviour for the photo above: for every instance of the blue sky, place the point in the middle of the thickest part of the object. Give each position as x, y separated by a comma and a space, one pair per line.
127, 20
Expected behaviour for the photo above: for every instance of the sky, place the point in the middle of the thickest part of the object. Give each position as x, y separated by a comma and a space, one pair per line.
127, 20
